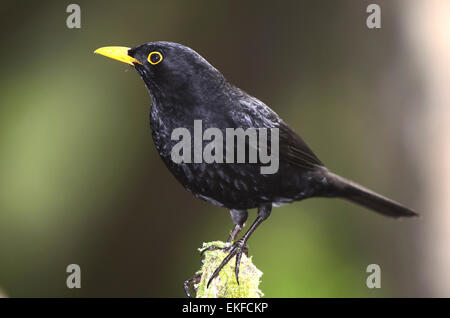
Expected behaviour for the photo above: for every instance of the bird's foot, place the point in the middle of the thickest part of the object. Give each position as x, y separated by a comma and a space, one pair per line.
191, 282
215, 248
237, 249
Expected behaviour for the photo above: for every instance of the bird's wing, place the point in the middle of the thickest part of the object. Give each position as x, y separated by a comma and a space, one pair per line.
294, 150
254, 113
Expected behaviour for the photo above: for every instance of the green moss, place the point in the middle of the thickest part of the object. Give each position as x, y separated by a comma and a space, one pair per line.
225, 285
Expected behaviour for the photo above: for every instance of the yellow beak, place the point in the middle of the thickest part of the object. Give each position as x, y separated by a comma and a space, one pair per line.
119, 53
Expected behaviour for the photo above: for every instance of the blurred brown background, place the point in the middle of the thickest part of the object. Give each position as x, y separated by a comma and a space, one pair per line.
80, 180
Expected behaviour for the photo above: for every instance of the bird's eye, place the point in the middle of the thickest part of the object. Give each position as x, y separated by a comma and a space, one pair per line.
155, 58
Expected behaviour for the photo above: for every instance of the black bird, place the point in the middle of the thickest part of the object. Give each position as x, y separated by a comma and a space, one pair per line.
184, 87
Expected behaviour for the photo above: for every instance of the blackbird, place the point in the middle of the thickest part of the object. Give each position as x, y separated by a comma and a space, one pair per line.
183, 88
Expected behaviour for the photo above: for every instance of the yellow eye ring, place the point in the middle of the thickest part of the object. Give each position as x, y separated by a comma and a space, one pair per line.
155, 58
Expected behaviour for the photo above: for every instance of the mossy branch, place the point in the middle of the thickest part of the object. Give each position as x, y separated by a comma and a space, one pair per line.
225, 285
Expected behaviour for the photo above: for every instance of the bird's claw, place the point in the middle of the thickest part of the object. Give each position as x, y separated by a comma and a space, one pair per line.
191, 282
237, 249
214, 248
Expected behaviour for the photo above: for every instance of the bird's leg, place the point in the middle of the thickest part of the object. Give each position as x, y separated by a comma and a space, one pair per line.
190, 282
240, 246
235, 232
239, 217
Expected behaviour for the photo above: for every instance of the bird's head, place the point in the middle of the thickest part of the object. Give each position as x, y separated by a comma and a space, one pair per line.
167, 68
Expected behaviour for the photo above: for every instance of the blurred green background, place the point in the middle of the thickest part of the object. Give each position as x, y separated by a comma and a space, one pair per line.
81, 182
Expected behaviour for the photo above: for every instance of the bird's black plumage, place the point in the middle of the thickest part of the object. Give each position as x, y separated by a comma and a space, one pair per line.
184, 87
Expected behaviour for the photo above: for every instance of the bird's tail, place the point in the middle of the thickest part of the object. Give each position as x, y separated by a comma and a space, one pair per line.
356, 193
